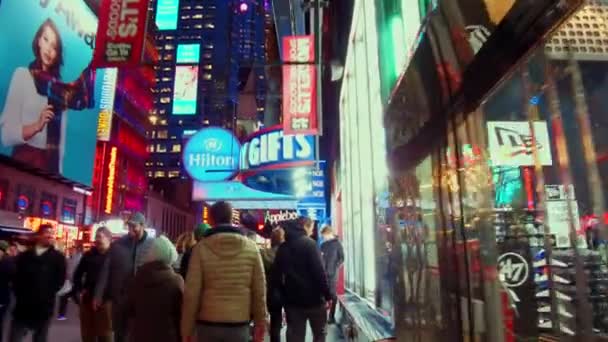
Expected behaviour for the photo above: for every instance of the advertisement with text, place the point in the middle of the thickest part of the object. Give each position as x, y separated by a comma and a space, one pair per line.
48, 91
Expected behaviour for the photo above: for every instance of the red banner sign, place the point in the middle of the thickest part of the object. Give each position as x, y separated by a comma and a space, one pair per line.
299, 86
121, 33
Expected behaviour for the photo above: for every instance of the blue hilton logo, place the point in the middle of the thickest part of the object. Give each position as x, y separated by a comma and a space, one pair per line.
212, 154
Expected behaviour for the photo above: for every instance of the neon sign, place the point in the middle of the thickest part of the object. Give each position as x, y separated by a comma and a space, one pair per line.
271, 147
111, 178
212, 154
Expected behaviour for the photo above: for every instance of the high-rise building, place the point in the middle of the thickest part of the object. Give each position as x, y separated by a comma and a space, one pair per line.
207, 51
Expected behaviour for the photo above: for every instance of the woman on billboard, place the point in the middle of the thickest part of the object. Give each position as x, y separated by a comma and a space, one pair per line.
31, 121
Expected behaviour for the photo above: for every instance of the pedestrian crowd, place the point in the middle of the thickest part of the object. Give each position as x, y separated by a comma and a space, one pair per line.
215, 285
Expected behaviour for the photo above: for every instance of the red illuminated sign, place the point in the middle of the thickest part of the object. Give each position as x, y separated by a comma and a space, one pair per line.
299, 86
121, 33
110, 181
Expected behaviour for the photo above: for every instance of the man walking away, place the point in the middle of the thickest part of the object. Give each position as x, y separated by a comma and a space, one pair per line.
333, 258
199, 232
125, 256
72, 263
95, 325
7, 271
40, 273
273, 295
225, 286
298, 271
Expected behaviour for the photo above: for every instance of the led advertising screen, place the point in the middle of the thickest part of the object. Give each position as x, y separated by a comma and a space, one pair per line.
166, 14
184, 92
48, 93
188, 53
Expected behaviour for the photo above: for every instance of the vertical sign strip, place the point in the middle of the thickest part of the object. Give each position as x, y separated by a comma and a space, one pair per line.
110, 183
120, 33
299, 86
106, 104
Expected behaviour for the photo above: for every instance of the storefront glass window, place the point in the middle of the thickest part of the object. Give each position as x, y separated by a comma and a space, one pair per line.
501, 231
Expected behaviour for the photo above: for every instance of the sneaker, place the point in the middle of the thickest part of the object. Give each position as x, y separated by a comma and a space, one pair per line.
61, 318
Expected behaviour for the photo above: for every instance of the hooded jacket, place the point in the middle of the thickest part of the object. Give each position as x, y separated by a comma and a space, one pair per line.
298, 271
225, 284
154, 303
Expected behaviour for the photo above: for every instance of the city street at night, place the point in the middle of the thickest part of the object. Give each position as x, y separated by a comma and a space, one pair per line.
304, 170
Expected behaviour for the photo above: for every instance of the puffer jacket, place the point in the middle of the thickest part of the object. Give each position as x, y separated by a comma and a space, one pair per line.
225, 284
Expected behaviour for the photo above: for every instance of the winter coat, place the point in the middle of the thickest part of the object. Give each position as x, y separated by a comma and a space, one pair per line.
333, 257
225, 282
37, 280
124, 258
298, 271
273, 296
7, 272
154, 304
183, 264
87, 274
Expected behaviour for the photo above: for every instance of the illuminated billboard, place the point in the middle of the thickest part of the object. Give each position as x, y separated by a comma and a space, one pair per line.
184, 92
48, 92
188, 53
166, 14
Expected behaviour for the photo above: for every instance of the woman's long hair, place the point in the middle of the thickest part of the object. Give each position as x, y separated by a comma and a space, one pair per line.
55, 69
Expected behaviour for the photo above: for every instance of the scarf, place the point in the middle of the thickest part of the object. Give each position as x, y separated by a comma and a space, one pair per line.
76, 95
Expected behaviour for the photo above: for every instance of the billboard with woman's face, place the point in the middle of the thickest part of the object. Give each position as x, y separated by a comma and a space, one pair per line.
48, 94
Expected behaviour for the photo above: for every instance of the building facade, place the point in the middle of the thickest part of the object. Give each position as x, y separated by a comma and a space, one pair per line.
485, 220
207, 50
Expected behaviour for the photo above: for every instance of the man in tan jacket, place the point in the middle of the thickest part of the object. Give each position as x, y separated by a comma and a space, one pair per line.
225, 286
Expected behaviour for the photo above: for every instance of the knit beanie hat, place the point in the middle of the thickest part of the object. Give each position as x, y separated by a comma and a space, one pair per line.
162, 250
200, 230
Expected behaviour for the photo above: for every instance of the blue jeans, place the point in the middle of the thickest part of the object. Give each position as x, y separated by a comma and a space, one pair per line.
19, 331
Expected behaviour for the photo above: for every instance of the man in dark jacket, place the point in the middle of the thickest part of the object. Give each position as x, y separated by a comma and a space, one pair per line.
7, 271
273, 296
298, 271
333, 258
40, 274
199, 232
95, 325
125, 256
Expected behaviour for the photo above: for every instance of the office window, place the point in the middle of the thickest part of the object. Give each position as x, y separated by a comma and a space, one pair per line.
173, 174
165, 99
207, 76
150, 148
161, 148
169, 47
162, 134
176, 148
209, 25
159, 174
208, 67
150, 174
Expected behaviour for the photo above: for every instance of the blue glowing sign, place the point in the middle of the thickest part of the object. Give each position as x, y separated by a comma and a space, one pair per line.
211, 155
270, 149
188, 53
314, 194
166, 14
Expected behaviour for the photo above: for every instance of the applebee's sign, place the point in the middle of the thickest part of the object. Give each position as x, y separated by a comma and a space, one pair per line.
281, 216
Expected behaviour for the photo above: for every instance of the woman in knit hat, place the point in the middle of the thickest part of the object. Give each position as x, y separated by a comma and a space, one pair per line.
155, 296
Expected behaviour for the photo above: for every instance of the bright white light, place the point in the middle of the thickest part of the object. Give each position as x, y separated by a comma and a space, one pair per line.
244, 7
